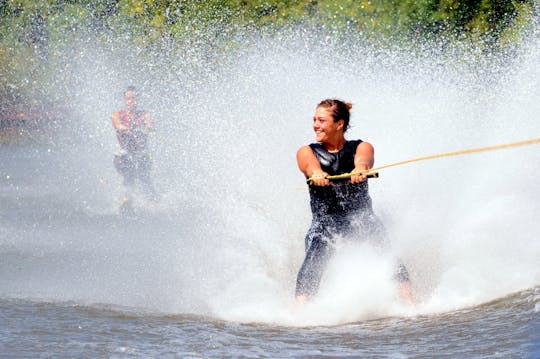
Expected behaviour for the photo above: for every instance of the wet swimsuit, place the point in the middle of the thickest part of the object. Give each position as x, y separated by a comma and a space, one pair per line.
134, 161
340, 209
333, 204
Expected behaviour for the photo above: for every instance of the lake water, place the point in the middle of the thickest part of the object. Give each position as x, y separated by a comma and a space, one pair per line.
504, 328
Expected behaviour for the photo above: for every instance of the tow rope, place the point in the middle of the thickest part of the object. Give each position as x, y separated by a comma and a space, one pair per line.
374, 172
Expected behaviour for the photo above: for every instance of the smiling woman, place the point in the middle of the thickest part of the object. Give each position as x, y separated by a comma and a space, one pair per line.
339, 209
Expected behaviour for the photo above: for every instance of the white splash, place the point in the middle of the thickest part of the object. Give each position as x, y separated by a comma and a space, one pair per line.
229, 237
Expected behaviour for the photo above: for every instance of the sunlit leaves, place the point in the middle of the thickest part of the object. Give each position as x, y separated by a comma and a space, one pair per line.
35, 35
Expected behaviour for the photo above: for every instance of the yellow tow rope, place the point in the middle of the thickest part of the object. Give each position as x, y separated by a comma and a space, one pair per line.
373, 172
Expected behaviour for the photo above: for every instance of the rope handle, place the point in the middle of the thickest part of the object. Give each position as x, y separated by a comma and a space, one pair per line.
344, 176
373, 172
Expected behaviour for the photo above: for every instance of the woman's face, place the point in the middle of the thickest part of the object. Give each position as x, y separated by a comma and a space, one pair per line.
324, 126
131, 100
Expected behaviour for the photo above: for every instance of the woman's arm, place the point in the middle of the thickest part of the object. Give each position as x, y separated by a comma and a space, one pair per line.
364, 159
310, 166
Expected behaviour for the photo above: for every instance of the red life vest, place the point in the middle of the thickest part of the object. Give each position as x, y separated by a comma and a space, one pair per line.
137, 121
135, 139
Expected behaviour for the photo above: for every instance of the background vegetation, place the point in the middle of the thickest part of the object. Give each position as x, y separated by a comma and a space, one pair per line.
35, 34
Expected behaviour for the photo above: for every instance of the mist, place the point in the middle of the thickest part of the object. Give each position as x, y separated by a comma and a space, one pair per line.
227, 238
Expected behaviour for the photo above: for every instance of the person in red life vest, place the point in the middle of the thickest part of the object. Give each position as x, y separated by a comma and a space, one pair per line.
133, 161
339, 208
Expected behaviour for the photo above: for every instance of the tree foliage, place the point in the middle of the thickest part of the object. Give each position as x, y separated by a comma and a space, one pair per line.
32, 32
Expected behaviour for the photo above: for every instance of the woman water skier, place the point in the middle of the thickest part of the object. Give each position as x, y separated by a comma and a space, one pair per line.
338, 208
133, 161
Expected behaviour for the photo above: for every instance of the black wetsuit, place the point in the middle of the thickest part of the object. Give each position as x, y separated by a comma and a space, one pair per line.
340, 209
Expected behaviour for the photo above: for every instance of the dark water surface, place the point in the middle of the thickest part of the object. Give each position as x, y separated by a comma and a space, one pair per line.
505, 328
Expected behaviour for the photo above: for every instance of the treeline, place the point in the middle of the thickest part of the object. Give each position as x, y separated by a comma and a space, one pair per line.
150, 20
31, 32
